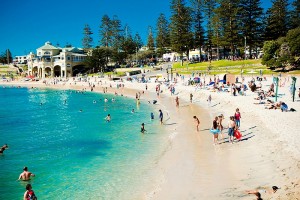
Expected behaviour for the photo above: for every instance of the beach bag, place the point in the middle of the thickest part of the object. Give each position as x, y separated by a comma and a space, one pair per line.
237, 134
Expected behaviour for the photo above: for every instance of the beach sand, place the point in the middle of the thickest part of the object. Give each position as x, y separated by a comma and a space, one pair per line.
193, 168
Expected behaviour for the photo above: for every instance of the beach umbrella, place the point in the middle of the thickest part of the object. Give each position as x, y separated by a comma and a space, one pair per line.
211, 83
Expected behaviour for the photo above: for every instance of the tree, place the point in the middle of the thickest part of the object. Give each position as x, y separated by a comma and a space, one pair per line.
270, 50
227, 12
250, 17
150, 40
277, 20
87, 39
180, 27
295, 14
97, 59
209, 8
163, 34
293, 39
197, 18
216, 39
117, 33
106, 31
138, 41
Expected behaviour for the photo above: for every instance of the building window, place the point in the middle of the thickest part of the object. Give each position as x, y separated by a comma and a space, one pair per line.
68, 58
68, 65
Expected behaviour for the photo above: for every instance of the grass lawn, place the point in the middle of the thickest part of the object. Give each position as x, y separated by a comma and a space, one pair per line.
248, 67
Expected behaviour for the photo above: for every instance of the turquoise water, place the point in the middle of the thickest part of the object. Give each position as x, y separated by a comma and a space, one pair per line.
75, 155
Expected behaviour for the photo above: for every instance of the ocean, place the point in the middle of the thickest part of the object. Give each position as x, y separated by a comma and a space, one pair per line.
77, 154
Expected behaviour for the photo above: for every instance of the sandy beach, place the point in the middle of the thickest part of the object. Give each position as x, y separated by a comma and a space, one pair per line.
192, 167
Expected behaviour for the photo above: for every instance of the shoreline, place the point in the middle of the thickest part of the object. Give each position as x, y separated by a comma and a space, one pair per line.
193, 168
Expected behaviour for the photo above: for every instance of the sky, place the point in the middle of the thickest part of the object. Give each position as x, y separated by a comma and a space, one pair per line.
27, 24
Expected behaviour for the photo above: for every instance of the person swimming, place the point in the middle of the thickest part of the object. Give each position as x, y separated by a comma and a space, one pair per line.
105, 100
132, 111
108, 118
3, 148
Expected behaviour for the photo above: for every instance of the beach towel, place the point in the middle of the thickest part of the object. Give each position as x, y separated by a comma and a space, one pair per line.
237, 134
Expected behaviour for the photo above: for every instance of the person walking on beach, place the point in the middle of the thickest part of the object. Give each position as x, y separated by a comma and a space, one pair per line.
237, 118
215, 131
220, 126
231, 127
209, 100
191, 98
177, 101
25, 175
161, 116
29, 194
197, 122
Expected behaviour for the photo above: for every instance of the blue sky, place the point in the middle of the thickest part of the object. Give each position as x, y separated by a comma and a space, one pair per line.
27, 25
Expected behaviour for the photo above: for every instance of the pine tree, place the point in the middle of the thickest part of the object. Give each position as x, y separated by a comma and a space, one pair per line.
227, 12
217, 34
163, 34
150, 40
87, 39
250, 20
295, 14
117, 33
196, 7
180, 27
209, 11
277, 20
138, 41
105, 31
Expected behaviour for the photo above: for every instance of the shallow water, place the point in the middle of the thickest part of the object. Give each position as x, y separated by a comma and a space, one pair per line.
76, 155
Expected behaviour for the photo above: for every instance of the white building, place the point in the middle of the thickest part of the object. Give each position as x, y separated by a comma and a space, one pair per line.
20, 59
51, 61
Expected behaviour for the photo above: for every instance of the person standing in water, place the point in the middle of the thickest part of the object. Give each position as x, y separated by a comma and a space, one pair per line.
29, 194
143, 128
25, 175
108, 118
161, 116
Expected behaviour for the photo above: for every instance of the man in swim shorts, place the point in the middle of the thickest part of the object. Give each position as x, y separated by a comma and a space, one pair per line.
25, 175
231, 127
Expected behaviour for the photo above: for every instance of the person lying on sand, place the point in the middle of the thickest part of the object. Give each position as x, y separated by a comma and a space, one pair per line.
274, 106
259, 192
